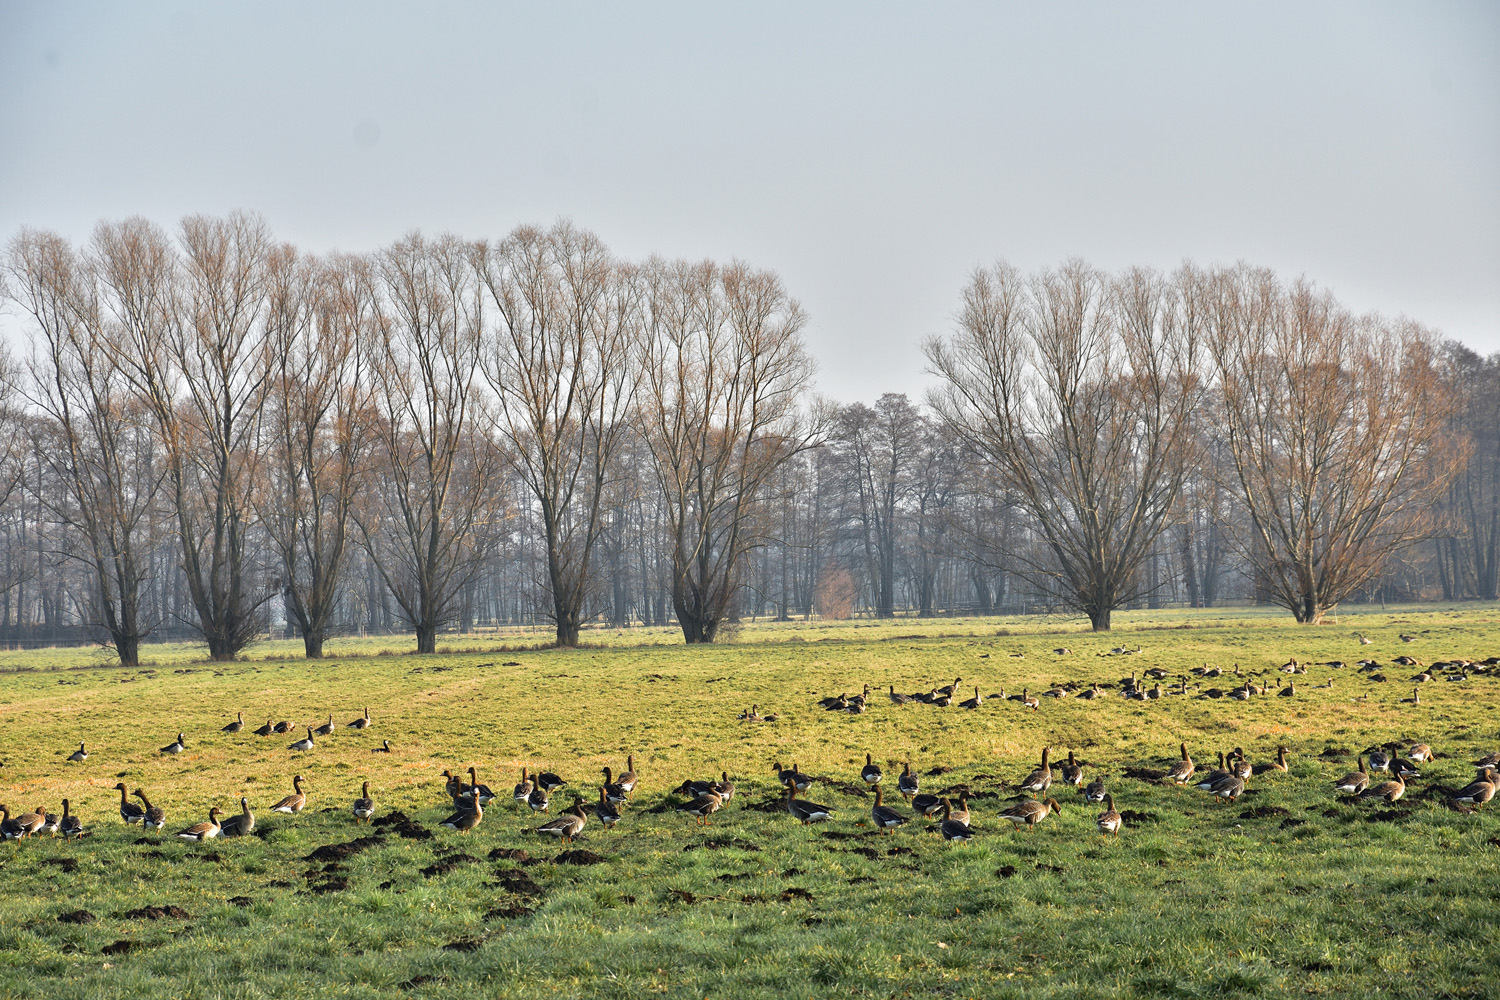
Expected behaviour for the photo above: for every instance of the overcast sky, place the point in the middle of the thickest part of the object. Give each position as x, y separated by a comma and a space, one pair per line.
872, 154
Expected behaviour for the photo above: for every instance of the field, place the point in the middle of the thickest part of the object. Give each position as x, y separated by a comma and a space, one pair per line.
1289, 891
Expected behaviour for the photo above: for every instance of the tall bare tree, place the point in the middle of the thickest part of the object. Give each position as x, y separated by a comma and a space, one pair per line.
725, 370
1334, 430
1075, 392
420, 528
562, 362
881, 445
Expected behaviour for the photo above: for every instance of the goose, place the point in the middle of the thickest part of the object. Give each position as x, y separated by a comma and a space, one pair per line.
839, 704
1406, 638
1109, 821
1182, 771
568, 825
1290, 691
1380, 760
1363, 641
702, 807
1095, 791
71, 825
1489, 760
1239, 765
1063, 651
1030, 812
236, 725
480, 790
1091, 693
549, 782
627, 780
326, 729
80, 755
1421, 678
807, 812
364, 806
265, 730
798, 780
1030, 702
884, 817
282, 728
692, 788
1057, 692
926, 805
1040, 780
1218, 774
203, 831
129, 811
1071, 773
871, 772
363, 722
724, 788
1388, 790
1279, 763
973, 702
538, 800
1415, 699
753, 715
1230, 787
10, 829
303, 745
952, 829
49, 822
385, 747
522, 790
899, 699
241, 825
152, 817
612, 789
1406, 768
176, 746
466, 817
1355, 781
607, 811
949, 689
1421, 753
940, 700
294, 802
962, 812
456, 789
1476, 793
907, 783
857, 703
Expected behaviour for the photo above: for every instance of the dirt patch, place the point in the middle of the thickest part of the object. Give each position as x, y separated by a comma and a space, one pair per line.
213, 856
338, 852
1334, 753
1144, 773
77, 917
1291, 823
865, 852
898, 851
402, 826
240, 901
448, 864
66, 864
1263, 812
795, 892
719, 845
510, 854
682, 896
168, 912
334, 883
516, 881
577, 857
1136, 818
464, 944
514, 911
1055, 869
120, 948
940, 769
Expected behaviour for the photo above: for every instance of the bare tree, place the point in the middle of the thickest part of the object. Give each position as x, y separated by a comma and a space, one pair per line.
437, 472
725, 370
1075, 392
317, 422
881, 446
562, 361
1334, 431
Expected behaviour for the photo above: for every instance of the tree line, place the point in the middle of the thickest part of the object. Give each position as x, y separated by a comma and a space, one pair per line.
210, 432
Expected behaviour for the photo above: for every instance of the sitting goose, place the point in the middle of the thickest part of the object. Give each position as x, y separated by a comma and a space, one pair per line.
152, 817
1388, 790
303, 744
953, 829
899, 699
884, 816
236, 725
282, 728
702, 807
203, 831
326, 729
1040, 780
1279, 764
567, 826
241, 825
939, 699
385, 747
71, 825
466, 818
926, 805
792, 776
1355, 781
907, 783
364, 806
522, 790
549, 782
265, 730
871, 772
1182, 771
363, 722
1095, 791
294, 802
962, 812
1030, 812
973, 702
1071, 773
607, 811
176, 746
79, 756
724, 788
627, 780
129, 811
1109, 820
1091, 693
807, 812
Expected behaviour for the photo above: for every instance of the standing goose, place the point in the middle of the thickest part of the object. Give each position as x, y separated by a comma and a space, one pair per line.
203, 831
702, 807
294, 802
1071, 773
1380, 760
926, 805
954, 829
950, 689
241, 825
71, 825
79, 756
152, 817
364, 806
1476, 793
1230, 787
466, 817
567, 826
50, 822
1388, 790
265, 730
871, 772
807, 812
522, 790
607, 811
1030, 812
363, 722
885, 817
1095, 791
1040, 780
481, 792
236, 725
627, 780
10, 829
549, 782
304, 744
962, 812
326, 729
1355, 781
973, 702
1109, 820
129, 811
176, 746
538, 799
612, 789
907, 784
724, 788
1182, 771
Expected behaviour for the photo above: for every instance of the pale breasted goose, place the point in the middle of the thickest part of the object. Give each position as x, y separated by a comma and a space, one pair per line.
607, 811
807, 812
1388, 790
303, 744
152, 817
1071, 773
1028, 701
702, 807
612, 789
871, 772
898, 699
1355, 781
1280, 764
364, 806
294, 802
240, 825
49, 822
71, 825
522, 790
466, 817
480, 790
926, 805
129, 811
1380, 760
236, 725
1182, 771
363, 722
884, 817
10, 829
1030, 812
1040, 780
973, 702
567, 826
538, 799
203, 831
79, 756
1095, 791
962, 812
176, 746
907, 783
724, 788
954, 830
1481, 790
326, 729
627, 780
1109, 820
1419, 752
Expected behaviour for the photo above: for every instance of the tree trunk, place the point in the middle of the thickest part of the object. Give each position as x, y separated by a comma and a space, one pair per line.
221, 649
426, 639
129, 648
1099, 619
312, 644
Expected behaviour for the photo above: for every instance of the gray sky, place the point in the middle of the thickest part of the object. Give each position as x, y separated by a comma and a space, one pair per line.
872, 154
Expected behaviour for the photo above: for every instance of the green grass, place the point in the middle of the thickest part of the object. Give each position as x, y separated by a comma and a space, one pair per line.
1289, 891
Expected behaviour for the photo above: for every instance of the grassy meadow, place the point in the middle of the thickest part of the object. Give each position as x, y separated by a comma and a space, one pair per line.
1289, 891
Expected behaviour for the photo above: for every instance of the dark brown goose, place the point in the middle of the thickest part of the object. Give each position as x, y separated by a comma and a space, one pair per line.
71, 825
364, 806
807, 812
1109, 821
241, 824
129, 811
884, 817
236, 725
152, 817
567, 826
